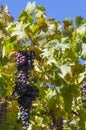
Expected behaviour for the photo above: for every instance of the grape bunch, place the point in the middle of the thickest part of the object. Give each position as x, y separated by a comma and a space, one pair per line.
84, 91
25, 90
3, 110
56, 124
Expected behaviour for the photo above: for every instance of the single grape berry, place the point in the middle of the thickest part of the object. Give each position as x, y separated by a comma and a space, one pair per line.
32, 54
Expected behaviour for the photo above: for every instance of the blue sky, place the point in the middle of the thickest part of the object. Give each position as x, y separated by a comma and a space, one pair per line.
59, 9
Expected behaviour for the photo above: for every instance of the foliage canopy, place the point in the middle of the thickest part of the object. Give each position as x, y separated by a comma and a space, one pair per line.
60, 48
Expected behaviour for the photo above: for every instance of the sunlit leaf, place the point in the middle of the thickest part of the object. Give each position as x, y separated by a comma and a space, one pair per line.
30, 7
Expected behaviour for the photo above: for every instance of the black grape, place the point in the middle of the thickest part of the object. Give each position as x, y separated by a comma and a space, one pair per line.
24, 61
23, 77
84, 92
3, 110
24, 113
25, 90
20, 58
27, 95
56, 124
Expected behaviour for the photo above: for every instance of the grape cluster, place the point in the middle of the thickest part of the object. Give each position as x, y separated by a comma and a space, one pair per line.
3, 110
84, 91
56, 124
25, 90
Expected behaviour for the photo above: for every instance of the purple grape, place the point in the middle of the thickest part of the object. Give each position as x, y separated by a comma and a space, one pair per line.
84, 92
20, 58
23, 77
26, 91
